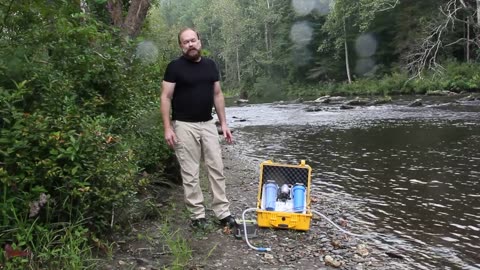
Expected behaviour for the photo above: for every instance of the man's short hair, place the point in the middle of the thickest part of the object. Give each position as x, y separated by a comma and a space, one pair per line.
185, 29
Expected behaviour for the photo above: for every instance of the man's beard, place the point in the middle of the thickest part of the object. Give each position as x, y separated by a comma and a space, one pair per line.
193, 54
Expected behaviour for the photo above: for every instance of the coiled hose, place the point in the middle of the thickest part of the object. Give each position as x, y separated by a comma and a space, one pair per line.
314, 211
245, 231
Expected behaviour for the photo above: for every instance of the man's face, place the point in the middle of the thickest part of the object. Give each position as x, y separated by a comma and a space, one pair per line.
191, 45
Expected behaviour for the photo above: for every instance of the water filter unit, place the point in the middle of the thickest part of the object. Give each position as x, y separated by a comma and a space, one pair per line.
298, 194
283, 196
270, 191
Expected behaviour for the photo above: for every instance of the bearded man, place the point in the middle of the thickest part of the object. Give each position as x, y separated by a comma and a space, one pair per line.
190, 89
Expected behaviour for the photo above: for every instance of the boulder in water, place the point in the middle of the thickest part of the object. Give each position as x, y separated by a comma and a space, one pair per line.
241, 101
416, 103
356, 102
440, 93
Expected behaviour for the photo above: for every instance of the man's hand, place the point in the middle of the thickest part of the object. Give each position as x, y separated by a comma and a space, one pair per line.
170, 137
227, 134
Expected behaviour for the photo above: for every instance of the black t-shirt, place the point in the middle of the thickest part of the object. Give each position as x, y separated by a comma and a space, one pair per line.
193, 95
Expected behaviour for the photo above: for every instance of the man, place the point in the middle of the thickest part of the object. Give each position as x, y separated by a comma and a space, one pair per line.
191, 88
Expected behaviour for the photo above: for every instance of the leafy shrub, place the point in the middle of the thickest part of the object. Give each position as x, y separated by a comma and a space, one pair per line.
84, 168
147, 141
456, 77
267, 88
72, 141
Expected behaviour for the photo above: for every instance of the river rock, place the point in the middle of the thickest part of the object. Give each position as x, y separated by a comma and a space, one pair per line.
357, 258
268, 256
440, 93
381, 101
241, 101
394, 255
346, 107
468, 98
362, 250
356, 102
314, 109
340, 252
337, 99
330, 261
416, 103
336, 243
324, 99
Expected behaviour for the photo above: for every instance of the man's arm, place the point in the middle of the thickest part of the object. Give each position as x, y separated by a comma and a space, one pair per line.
165, 106
219, 102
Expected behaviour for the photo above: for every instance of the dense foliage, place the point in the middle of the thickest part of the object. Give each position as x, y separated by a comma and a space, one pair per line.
79, 119
268, 47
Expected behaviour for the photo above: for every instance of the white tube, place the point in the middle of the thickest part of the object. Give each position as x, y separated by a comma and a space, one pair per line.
246, 235
338, 227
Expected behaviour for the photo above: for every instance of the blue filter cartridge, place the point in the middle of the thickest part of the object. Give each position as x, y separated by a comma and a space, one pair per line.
298, 192
270, 193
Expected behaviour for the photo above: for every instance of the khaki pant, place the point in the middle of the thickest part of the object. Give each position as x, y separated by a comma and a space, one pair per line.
194, 141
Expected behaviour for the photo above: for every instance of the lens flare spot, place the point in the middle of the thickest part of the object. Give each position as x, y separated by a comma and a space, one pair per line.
366, 45
365, 66
303, 7
323, 6
147, 52
301, 34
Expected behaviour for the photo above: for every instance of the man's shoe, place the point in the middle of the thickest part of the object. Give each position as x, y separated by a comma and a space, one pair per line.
200, 223
228, 221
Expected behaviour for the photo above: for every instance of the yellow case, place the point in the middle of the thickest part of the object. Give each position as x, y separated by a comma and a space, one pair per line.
285, 174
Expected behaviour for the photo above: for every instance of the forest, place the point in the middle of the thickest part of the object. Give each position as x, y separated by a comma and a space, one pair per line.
81, 138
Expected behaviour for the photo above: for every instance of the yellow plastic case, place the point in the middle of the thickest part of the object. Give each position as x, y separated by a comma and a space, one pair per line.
285, 174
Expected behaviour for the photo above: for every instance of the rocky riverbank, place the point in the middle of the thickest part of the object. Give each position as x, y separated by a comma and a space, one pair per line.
322, 247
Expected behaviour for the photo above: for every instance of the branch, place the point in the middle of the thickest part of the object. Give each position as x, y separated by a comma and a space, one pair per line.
425, 55
389, 6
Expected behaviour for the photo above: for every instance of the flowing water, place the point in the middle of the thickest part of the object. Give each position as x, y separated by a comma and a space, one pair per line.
410, 174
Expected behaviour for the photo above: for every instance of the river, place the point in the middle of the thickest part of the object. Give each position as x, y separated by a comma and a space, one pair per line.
407, 175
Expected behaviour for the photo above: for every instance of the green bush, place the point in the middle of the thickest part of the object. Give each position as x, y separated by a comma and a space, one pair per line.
84, 168
147, 141
456, 77
461, 76
76, 127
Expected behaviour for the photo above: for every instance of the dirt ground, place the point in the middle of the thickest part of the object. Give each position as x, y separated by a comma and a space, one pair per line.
152, 245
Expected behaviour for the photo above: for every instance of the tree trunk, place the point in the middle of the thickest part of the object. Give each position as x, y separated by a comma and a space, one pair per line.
227, 76
238, 67
266, 38
468, 41
135, 17
478, 13
266, 30
115, 8
137, 12
347, 65
478, 20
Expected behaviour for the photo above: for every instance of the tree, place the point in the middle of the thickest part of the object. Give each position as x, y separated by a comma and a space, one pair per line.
440, 32
346, 20
136, 14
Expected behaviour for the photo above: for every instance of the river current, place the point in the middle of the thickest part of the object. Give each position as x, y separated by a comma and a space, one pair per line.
408, 175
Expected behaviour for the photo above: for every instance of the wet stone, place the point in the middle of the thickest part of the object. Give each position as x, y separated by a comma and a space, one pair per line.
357, 258
324, 240
339, 251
